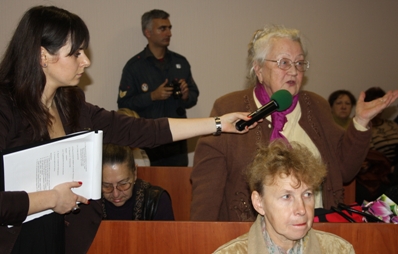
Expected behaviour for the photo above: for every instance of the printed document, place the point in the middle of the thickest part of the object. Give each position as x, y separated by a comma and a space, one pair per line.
75, 157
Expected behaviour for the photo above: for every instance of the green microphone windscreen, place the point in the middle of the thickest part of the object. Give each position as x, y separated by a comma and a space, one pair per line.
283, 98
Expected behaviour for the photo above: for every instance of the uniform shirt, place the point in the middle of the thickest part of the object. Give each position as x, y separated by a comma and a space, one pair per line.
143, 74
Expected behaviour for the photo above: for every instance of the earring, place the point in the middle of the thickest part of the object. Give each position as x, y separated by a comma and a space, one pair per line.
45, 65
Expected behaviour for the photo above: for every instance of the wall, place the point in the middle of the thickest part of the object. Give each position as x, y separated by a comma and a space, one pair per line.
352, 44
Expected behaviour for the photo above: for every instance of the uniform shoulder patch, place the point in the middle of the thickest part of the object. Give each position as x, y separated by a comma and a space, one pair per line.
122, 93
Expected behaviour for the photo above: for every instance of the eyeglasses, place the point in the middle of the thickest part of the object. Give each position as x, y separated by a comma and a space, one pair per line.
286, 64
123, 186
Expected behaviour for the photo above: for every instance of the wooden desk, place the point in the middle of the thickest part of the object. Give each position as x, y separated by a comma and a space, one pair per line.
204, 237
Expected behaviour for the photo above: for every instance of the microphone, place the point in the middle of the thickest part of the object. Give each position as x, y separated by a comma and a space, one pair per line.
280, 100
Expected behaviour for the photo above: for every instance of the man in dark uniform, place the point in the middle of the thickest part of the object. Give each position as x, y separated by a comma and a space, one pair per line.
158, 83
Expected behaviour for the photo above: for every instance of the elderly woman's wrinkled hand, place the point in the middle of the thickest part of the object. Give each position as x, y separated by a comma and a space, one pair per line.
366, 111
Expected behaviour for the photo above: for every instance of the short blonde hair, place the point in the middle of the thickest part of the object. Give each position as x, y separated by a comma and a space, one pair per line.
128, 112
281, 158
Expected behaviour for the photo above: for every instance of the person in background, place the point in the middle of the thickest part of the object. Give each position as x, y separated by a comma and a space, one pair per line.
378, 172
158, 83
126, 197
277, 60
342, 103
384, 131
39, 101
140, 157
283, 179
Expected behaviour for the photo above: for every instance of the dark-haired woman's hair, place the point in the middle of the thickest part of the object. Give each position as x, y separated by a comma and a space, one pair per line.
336, 94
374, 93
115, 154
22, 79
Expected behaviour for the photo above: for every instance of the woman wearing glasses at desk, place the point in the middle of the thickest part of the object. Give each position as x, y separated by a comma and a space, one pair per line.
126, 197
277, 60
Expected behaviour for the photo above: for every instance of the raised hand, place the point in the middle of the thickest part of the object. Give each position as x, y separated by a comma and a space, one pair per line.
366, 111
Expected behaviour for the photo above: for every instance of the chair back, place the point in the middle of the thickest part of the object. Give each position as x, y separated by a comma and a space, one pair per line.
176, 180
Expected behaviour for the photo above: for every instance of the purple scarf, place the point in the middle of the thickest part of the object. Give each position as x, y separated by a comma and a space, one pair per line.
278, 117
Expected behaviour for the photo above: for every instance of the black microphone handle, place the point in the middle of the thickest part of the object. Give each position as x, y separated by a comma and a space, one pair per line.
260, 113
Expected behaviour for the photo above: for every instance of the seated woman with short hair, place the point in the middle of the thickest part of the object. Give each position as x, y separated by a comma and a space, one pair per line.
342, 103
283, 179
126, 197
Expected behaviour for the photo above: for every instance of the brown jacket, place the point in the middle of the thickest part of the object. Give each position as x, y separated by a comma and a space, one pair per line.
318, 242
219, 190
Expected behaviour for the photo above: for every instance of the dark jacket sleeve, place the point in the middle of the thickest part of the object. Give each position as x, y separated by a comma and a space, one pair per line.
13, 205
193, 90
125, 130
130, 94
343, 151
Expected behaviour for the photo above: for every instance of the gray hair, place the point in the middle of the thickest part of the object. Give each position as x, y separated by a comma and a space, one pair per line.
147, 17
261, 43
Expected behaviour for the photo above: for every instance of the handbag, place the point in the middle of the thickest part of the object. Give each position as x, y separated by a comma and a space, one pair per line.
344, 213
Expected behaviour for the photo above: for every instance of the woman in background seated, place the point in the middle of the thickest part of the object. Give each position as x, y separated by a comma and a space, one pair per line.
140, 156
342, 102
283, 180
126, 197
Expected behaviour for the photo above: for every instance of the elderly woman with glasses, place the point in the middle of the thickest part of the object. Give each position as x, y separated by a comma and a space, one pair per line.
277, 60
126, 197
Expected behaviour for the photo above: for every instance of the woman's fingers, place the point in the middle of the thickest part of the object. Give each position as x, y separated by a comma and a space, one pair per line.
67, 200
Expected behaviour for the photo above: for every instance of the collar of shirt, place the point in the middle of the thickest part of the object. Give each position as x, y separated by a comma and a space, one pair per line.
148, 54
